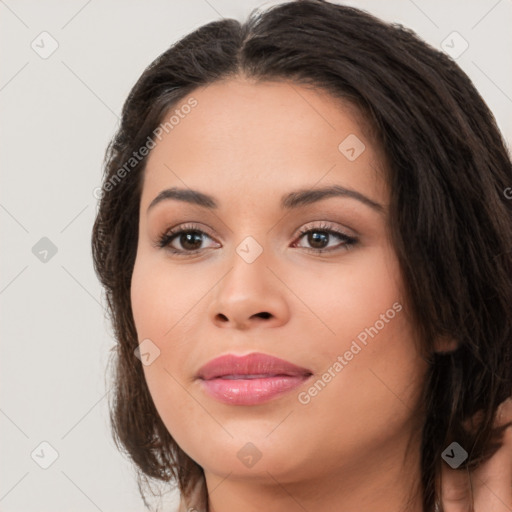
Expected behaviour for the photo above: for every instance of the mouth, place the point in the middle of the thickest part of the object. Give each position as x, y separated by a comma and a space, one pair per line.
251, 379
260, 376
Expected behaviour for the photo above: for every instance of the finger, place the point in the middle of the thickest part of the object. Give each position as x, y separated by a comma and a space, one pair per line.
455, 489
493, 480
504, 415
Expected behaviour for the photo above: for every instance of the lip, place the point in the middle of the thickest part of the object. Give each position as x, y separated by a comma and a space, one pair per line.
251, 379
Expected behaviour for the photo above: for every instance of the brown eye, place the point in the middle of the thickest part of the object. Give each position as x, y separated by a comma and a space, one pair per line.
318, 238
184, 240
190, 240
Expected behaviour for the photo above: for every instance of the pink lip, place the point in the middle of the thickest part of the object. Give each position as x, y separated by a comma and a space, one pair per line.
250, 379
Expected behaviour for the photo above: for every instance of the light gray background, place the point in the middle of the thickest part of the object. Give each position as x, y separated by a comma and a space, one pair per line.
57, 117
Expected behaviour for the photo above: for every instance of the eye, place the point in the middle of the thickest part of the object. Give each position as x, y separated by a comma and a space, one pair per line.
189, 237
318, 237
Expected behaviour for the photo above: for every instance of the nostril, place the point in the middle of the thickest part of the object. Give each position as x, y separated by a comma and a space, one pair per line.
264, 315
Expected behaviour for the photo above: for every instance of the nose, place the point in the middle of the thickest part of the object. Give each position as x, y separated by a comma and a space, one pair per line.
249, 295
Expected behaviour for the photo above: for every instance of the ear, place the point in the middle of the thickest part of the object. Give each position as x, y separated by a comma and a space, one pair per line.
445, 344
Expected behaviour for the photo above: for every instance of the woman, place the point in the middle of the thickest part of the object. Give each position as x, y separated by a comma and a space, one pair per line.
306, 246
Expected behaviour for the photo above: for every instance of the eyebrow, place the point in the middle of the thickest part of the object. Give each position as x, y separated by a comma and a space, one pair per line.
290, 201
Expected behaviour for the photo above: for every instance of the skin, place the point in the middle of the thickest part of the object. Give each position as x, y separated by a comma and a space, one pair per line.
490, 484
356, 444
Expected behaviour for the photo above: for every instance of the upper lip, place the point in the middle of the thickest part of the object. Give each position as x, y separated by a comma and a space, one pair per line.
251, 364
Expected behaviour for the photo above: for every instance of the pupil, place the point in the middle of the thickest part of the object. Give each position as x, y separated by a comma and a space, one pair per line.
317, 236
188, 239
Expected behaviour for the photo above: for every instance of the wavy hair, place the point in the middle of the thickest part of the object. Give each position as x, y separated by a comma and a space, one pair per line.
450, 220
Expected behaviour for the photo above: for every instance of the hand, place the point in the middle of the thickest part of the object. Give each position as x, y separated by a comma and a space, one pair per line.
492, 481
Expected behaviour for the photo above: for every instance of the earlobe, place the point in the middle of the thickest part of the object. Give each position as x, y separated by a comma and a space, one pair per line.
446, 344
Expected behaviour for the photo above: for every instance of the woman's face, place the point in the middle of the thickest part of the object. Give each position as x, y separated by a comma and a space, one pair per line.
244, 280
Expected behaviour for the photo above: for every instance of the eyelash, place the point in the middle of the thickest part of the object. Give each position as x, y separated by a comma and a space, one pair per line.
168, 236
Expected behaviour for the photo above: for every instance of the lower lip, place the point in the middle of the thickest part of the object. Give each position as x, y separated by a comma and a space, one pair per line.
251, 391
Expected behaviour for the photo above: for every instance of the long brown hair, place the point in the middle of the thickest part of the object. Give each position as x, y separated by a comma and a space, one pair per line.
450, 219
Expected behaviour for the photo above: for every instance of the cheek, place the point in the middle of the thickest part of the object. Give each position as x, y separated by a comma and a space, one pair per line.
160, 301
351, 296
380, 375
163, 295
371, 374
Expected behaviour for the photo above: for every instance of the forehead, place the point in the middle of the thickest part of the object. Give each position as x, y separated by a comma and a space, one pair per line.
261, 139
